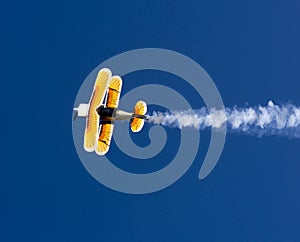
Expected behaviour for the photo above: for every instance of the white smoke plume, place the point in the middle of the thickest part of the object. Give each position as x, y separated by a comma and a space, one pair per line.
281, 120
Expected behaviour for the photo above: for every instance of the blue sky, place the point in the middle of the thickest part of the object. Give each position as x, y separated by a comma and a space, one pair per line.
251, 51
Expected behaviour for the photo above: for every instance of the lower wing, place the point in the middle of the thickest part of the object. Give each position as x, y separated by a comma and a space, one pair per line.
104, 139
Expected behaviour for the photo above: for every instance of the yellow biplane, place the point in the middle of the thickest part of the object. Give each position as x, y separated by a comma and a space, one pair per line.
102, 111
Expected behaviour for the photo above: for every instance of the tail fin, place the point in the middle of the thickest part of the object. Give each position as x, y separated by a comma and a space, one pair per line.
137, 123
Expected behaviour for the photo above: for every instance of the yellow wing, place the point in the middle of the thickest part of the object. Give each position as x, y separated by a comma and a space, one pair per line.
105, 134
92, 121
114, 91
104, 139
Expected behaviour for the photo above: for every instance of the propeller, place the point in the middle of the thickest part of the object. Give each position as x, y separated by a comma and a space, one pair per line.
75, 115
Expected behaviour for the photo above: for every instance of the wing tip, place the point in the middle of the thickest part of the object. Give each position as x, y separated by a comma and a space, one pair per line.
103, 77
101, 149
101, 152
107, 70
116, 82
88, 149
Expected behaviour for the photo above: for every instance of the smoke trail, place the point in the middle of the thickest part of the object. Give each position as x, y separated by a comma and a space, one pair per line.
283, 120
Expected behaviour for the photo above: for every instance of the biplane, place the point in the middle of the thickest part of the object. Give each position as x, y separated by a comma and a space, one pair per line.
102, 111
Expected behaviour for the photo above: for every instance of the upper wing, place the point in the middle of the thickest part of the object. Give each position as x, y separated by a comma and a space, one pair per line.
92, 121
114, 91
104, 139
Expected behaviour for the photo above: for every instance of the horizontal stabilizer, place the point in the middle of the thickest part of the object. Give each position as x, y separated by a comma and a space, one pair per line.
136, 123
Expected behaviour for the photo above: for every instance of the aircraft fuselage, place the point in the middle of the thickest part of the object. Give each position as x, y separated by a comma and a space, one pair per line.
110, 115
